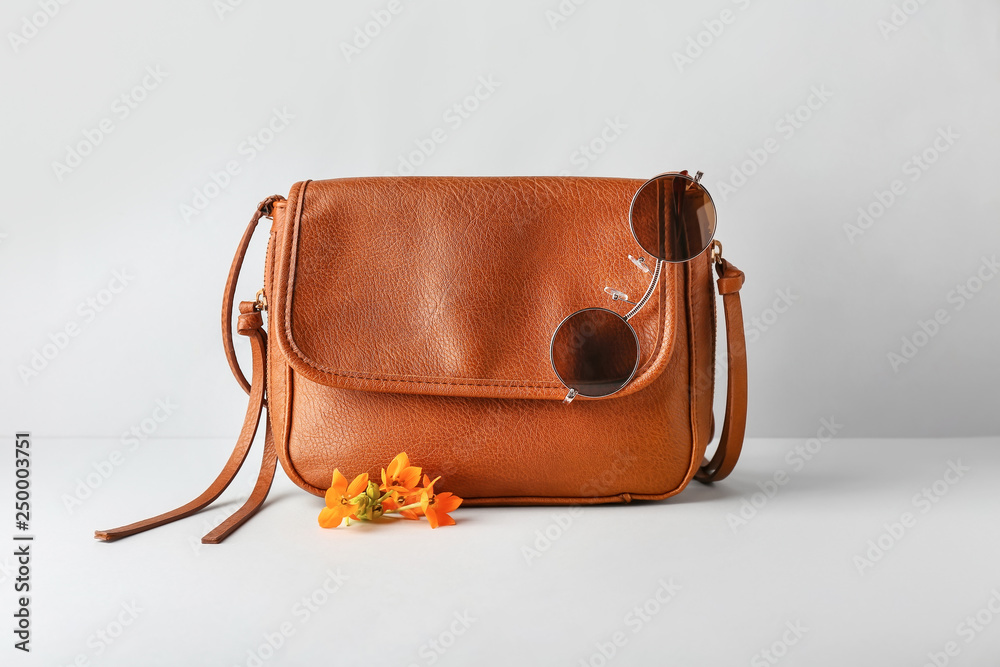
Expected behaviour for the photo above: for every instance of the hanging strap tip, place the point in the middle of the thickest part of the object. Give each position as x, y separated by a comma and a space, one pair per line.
250, 325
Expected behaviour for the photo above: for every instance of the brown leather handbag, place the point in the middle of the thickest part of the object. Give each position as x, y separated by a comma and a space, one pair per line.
417, 314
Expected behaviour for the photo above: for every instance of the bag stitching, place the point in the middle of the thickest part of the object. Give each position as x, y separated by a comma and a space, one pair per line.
362, 375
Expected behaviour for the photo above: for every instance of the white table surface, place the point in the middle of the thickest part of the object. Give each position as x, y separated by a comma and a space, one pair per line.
468, 594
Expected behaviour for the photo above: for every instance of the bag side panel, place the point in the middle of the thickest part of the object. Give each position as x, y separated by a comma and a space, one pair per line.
278, 371
702, 336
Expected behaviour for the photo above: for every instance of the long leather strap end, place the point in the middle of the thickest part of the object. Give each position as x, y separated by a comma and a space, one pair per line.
250, 325
257, 496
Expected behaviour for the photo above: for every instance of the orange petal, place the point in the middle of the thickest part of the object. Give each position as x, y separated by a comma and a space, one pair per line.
447, 502
432, 517
398, 464
411, 514
429, 484
359, 484
330, 518
425, 501
444, 519
337, 488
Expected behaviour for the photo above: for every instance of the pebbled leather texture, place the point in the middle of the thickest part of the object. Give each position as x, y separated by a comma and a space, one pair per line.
454, 286
414, 314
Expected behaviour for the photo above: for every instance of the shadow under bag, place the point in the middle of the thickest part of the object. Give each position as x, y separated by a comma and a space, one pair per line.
417, 314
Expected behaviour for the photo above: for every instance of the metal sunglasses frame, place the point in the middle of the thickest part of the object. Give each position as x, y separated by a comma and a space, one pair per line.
640, 262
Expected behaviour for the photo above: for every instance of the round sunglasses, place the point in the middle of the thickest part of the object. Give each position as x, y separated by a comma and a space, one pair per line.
595, 351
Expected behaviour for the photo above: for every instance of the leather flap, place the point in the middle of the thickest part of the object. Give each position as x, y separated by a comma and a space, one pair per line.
454, 286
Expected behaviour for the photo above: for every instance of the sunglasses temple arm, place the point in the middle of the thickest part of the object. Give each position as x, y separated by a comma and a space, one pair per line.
649, 292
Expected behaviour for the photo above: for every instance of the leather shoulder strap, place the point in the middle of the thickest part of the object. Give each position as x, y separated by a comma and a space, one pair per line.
229, 298
731, 441
251, 325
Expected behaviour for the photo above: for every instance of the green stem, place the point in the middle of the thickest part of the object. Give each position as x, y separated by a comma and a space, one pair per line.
405, 507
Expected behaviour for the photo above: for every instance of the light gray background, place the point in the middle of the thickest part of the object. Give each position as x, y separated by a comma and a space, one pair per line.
544, 585
853, 302
605, 76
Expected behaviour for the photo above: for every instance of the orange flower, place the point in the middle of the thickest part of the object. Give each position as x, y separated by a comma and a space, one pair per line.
413, 514
396, 501
363, 499
436, 506
400, 475
338, 499
391, 504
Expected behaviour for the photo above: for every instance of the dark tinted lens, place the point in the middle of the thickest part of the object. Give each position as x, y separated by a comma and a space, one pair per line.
595, 352
673, 218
